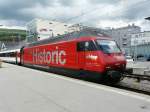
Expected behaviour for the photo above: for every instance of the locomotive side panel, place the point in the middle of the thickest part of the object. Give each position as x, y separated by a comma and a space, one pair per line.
93, 61
62, 54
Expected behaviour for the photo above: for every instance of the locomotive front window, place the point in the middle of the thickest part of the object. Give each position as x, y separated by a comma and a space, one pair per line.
108, 46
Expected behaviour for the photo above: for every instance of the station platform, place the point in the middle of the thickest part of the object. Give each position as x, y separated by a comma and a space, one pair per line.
27, 90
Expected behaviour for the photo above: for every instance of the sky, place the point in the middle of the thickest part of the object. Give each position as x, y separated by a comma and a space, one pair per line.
97, 13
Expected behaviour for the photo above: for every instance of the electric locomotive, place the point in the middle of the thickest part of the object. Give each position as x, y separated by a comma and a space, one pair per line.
86, 53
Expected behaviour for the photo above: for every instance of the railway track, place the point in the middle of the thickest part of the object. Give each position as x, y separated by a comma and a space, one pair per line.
137, 89
135, 82
138, 76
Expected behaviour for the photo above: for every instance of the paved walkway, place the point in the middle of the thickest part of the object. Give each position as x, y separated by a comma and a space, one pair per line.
27, 90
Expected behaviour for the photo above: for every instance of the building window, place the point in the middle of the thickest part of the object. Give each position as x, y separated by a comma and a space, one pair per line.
124, 39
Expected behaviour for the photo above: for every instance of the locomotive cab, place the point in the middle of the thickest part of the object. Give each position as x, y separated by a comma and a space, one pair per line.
113, 55
103, 56
114, 59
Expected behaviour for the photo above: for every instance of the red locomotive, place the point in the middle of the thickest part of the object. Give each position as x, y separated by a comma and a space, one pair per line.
86, 53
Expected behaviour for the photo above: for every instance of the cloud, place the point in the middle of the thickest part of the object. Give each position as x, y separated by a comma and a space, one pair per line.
104, 1
89, 12
137, 10
14, 9
67, 2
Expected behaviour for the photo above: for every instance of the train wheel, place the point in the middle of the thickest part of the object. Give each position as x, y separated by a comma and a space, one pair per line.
113, 77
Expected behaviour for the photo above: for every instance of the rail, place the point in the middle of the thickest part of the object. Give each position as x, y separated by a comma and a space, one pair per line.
145, 75
138, 76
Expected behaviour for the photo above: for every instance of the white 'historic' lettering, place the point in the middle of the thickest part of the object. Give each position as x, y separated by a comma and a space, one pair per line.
49, 57
60, 57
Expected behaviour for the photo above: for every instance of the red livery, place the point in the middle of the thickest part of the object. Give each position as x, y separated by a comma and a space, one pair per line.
87, 54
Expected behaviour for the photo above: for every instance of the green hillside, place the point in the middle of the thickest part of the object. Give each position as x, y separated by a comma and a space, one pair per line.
12, 34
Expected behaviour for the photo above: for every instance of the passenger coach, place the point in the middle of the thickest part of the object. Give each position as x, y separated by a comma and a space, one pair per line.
11, 56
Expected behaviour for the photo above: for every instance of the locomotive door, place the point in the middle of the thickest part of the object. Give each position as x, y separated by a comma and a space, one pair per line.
81, 54
91, 56
21, 56
87, 57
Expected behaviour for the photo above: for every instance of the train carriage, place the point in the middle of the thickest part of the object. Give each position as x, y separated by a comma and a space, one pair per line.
11, 56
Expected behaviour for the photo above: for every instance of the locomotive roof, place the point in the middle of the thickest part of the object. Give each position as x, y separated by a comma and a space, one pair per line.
70, 36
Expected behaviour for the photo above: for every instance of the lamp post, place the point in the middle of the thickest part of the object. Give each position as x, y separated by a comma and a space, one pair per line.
148, 18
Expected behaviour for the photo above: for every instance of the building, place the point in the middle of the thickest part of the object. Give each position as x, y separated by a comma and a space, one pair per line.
75, 27
11, 37
123, 36
39, 29
140, 44
12, 34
